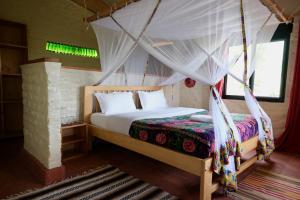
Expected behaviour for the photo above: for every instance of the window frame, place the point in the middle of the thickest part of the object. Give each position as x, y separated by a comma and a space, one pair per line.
282, 33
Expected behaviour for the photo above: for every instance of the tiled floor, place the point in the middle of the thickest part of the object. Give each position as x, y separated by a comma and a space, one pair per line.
15, 178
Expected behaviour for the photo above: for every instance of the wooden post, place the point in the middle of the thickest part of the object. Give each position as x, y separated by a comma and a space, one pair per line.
245, 78
274, 8
205, 185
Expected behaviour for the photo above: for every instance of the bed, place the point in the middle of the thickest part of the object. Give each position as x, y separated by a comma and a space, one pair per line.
124, 129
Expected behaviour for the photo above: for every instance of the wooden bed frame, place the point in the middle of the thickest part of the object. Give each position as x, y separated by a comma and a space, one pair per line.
191, 164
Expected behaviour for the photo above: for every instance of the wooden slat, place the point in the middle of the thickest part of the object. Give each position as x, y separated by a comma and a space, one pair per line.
71, 154
94, 69
67, 126
43, 60
187, 163
91, 5
249, 145
215, 186
72, 139
245, 165
13, 45
110, 9
206, 185
273, 7
11, 74
105, 10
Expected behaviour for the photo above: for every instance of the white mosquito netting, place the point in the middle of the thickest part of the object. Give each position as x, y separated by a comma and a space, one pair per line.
161, 42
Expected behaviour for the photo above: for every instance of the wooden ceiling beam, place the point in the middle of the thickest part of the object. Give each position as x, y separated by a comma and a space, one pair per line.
270, 4
113, 8
274, 8
81, 4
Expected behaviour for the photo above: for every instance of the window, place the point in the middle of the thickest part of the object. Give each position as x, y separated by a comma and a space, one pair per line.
268, 80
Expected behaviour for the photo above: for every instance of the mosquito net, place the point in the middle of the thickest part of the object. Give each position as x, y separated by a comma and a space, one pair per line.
161, 42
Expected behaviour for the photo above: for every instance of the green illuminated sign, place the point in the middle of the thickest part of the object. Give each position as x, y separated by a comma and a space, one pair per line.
71, 50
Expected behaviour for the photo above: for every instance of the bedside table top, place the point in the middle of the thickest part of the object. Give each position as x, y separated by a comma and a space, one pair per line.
72, 125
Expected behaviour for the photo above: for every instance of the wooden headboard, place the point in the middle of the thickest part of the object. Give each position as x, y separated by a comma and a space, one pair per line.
89, 99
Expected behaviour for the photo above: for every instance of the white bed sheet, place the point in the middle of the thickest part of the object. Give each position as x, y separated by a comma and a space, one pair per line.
121, 123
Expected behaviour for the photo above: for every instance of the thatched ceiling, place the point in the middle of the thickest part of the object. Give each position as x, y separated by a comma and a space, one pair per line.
289, 8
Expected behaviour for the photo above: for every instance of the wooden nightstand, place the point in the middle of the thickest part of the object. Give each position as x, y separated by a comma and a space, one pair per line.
74, 139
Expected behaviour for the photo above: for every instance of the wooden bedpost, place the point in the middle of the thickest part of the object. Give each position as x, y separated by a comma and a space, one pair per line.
87, 103
206, 185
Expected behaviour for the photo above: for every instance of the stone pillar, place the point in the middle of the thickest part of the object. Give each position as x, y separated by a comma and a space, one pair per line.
42, 121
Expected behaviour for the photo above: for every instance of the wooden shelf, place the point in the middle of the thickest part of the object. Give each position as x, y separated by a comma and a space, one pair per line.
12, 133
12, 45
74, 140
11, 101
73, 125
71, 154
71, 139
12, 74
13, 53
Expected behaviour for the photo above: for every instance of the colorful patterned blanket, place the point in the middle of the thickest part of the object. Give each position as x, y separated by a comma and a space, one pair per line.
182, 134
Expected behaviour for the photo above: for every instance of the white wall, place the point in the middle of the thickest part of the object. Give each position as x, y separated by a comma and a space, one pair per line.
196, 97
41, 103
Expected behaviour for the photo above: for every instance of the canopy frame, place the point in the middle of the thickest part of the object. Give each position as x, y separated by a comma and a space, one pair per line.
227, 150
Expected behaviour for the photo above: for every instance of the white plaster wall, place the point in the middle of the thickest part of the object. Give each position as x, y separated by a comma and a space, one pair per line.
72, 82
41, 102
196, 97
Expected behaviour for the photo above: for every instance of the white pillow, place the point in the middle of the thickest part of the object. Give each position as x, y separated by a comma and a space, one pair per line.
152, 100
116, 102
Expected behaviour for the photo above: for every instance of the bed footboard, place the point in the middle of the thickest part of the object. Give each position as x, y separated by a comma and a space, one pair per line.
191, 164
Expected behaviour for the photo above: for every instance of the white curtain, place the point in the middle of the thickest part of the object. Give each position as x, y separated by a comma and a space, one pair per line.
115, 44
265, 130
135, 66
156, 72
253, 38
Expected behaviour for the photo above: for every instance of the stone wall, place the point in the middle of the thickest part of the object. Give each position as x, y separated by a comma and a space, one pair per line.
42, 121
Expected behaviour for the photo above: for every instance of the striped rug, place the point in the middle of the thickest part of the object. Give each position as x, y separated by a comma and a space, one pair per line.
266, 185
106, 182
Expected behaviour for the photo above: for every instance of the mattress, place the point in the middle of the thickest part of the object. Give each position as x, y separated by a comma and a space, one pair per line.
182, 134
121, 123
173, 128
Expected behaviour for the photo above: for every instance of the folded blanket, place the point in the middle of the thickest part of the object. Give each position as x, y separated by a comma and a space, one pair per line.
202, 118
